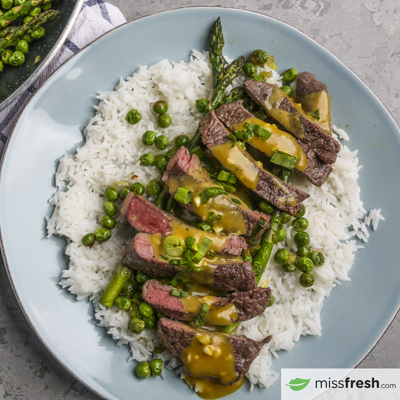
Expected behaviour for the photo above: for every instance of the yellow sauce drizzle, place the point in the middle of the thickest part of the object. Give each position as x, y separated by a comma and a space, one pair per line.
319, 101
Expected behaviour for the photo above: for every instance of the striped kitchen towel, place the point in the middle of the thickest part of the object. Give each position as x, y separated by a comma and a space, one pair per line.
95, 18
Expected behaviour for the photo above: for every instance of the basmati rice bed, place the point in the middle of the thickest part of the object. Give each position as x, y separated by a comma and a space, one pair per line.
111, 153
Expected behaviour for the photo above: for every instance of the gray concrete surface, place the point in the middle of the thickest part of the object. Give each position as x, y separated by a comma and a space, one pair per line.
364, 34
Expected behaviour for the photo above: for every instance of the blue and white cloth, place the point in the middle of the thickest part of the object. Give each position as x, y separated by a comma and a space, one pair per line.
95, 18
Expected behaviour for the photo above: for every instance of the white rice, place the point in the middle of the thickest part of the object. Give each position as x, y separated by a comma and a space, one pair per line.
111, 153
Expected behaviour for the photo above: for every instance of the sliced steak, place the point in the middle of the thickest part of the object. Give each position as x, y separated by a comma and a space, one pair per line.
146, 217
139, 255
176, 336
282, 195
295, 120
307, 83
248, 304
185, 170
234, 113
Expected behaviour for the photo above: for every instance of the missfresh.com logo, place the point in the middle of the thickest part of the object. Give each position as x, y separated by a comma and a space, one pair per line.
340, 384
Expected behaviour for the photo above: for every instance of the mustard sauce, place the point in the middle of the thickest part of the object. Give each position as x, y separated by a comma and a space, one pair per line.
279, 140
319, 101
236, 160
208, 389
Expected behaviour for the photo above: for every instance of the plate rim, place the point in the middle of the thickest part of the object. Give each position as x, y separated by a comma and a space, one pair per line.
5, 149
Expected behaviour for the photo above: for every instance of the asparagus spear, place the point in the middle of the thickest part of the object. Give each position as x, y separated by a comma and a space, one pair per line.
216, 45
19, 11
268, 239
7, 31
162, 197
120, 276
29, 27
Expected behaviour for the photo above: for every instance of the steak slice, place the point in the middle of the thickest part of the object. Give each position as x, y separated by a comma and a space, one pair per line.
139, 255
234, 113
176, 336
146, 217
185, 170
293, 118
282, 195
248, 304
307, 83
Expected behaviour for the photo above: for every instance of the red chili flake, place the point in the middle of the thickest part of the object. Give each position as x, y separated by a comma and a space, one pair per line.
134, 176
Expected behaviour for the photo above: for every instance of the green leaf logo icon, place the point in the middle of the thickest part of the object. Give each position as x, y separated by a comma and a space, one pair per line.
298, 384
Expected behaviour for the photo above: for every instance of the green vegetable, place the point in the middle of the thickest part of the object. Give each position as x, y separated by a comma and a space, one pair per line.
236, 201
162, 197
20, 9
282, 256
271, 301
281, 235
301, 238
173, 246
306, 279
138, 188
285, 160
118, 279
88, 240
149, 138
123, 193
17, 59
28, 39
290, 75
216, 44
22, 46
303, 251
256, 231
160, 107
102, 234
46, 7
249, 69
133, 117
156, 366
7, 4
171, 205
301, 212
164, 121
201, 105
145, 310
289, 267
111, 194
182, 140
258, 130
204, 245
136, 325
143, 370
5, 56
18, 2
266, 207
128, 290
287, 90
1, 66
38, 33
149, 322
147, 159
286, 218
204, 226
258, 78
141, 277
190, 242
162, 141
35, 12
206, 194
179, 293
314, 115
317, 258
170, 153
122, 302
183, 195
110, 208
27, 19
108, 222
161, 162
259, 57
300, 224
201, 318
304, 264
154, 187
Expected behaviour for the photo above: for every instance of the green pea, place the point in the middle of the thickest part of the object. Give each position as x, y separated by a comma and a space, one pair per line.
46, 7
149, 321
35, 12
161, 162
1, 66
156, 366
134, 313
164, 120
290, 75
17, 59
110, 208
7, 4
108, 222
18, 2
102, 234
249, 69
123, 193
39, 33
161, 142
147, 159
286, 218
154, 187
27, 38
128, 290
271, 301
304, 264
300, 224
138, 188
148, 138
301, 212
289, 267
88, 240
266, 207
281, 235
287, 90
136, 325
145, 310
26, 20
257, 78
303, 251
141, 277
282, 256
170, 153
111, 194
259, 57
143, 370
201, 105
302, 238
306, 279
182, 140
133, 117
160, 315
317, 258
124, 303
160, 107
5, 56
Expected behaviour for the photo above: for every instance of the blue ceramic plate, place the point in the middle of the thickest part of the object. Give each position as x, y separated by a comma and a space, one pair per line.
357, 312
